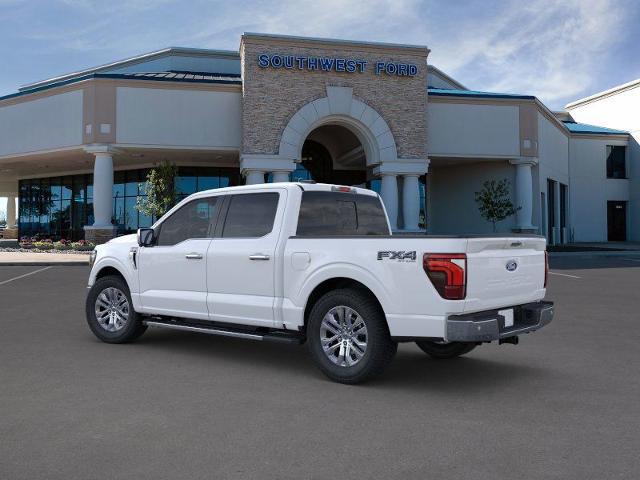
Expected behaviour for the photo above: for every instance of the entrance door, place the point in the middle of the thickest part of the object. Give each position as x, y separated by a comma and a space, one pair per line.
617, 221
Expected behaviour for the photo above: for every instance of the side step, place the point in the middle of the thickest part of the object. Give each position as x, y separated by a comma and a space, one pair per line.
268, 336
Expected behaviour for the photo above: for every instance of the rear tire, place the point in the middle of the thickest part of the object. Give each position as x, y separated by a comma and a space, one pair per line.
443, 351
348, 336
110, 312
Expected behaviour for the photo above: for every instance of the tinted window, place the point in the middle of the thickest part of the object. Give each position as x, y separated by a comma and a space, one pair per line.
616, 162
250, 215
333, 213
190, 221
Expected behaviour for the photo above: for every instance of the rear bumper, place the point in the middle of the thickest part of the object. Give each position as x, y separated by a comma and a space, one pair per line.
490, 325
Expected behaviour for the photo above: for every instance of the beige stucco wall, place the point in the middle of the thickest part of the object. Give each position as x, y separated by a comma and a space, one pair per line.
178, 117
50, 122
272, 96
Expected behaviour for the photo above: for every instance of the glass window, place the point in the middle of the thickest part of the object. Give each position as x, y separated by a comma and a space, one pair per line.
250, 215
185, 185
616, 167
131, 214
131, 184
190, 221
333, 213
67, 189
118, 184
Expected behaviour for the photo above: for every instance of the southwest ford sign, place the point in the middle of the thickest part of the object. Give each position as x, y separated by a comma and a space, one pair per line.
333, 64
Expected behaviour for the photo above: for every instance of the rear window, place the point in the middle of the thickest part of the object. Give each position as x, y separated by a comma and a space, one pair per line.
337, 213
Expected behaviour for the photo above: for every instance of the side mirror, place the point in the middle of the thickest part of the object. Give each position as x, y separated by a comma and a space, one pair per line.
146, 237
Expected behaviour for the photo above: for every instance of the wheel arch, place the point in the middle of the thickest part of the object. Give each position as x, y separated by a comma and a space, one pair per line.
111, 266
335, 283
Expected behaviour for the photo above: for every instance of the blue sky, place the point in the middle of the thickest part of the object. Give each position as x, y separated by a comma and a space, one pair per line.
557, 50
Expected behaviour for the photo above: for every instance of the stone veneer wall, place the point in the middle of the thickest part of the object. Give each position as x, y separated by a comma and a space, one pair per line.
272, 96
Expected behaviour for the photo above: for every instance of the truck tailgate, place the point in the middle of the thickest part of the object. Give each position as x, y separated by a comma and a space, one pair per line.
504, 271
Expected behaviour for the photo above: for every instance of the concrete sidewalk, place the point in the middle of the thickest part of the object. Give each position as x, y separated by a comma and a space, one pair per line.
38, 259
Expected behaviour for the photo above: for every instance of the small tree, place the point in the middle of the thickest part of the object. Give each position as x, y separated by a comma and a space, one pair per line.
494, 201
160, 190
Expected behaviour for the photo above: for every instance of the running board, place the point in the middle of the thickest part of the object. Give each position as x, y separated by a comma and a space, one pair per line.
275, 336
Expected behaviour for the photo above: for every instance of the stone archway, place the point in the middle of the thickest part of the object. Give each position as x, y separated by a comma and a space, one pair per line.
339, 107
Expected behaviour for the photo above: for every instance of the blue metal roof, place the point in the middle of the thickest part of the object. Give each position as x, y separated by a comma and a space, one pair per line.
188, 77
444, 92
575, 127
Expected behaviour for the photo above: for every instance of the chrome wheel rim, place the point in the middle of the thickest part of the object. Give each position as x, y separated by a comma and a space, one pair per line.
343, 336
112, 309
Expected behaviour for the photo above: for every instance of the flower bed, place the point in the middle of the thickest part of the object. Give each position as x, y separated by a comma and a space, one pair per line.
39, 245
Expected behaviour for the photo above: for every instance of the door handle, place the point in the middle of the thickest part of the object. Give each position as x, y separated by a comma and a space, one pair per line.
259, 256
193, 256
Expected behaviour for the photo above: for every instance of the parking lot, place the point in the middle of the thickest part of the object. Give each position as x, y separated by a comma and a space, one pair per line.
563, 404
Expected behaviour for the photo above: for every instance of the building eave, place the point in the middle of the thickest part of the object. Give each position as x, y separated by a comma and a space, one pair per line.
606, 93
319, 41
132, 61
116, 76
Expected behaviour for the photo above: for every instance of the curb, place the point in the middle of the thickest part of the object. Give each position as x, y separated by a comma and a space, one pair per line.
44, 264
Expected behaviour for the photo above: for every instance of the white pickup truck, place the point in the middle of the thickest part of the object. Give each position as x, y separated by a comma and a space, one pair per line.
304, 262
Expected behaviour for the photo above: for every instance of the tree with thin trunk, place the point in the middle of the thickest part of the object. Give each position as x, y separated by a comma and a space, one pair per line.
494, 201
160, 190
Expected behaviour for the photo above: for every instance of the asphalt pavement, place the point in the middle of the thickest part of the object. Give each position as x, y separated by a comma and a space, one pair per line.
563, 404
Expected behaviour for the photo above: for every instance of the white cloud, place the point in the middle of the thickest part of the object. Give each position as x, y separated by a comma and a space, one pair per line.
545, 48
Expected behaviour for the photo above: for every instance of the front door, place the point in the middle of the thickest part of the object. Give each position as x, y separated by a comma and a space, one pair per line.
241, 262
173, 272
617, 221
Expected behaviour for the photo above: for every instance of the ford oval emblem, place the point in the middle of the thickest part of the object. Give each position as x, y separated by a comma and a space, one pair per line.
512, 265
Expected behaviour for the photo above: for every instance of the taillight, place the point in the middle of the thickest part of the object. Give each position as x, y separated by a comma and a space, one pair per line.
546, 268
448, 273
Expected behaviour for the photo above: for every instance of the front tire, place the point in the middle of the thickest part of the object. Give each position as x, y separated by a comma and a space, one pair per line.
348, 336
110, 312
443, 351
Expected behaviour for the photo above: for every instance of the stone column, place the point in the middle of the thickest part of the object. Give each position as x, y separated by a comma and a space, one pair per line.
254, 177
389, 194
524, 193
11, 211
411, 201
280, 176
102, 229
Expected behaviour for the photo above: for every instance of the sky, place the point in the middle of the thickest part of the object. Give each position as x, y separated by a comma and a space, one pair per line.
557, 50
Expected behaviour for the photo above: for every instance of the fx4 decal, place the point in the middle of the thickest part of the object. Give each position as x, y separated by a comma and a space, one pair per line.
400, 256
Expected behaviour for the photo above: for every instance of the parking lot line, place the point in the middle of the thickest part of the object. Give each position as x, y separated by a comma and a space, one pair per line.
25, 275
564, 275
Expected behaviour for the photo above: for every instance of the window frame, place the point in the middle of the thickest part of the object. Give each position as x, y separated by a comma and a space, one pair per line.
213, 222
625, 175
222, 218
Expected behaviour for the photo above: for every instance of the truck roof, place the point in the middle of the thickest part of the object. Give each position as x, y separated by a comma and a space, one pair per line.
316, 187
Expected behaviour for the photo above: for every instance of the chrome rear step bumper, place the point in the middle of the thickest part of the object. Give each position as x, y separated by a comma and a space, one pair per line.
490, 325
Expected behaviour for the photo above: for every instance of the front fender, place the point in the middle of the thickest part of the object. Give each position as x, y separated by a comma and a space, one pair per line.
125, 270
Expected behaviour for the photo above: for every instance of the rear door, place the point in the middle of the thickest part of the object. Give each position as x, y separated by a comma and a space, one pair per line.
241, 259
504, 271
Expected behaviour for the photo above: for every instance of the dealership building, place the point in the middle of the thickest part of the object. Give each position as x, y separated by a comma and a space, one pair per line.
75, 150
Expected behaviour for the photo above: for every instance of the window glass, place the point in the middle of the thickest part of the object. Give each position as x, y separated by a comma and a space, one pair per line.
616, 161
190, 221
250, 215
333, 213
